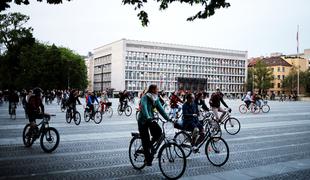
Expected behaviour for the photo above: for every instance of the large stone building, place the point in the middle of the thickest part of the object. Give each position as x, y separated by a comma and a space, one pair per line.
133, 65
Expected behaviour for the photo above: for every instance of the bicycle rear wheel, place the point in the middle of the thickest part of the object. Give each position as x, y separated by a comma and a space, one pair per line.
49, 140
265, 108
77, 118
119, 111
172, 161
28, 138
243, 109
98, 117
136, 155
86, 115
109, 112
232, 126
217, 151
68, 117
128, 111
255, 109
184, 141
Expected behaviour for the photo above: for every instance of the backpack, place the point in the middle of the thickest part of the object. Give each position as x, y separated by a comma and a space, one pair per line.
33, 105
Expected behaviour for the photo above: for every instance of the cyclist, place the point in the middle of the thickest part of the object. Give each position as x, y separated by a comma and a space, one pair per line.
149, 101
247, 99
256, 98
90, 103
123, 99
199, 100
103, 101
73, 98
13, 100
215, 103
190, 119
175, 108
35, 107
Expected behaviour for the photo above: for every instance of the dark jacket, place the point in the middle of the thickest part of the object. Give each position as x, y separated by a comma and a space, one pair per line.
216, 99
202, 104
188, 111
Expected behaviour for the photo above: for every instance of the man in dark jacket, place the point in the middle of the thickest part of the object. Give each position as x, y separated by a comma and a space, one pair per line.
215, 103
13, 100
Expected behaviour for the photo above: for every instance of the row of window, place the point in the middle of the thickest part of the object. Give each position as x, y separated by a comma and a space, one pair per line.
103, 60
279, 77
172, 58
279, 69
104, 77
101, 86
172, 86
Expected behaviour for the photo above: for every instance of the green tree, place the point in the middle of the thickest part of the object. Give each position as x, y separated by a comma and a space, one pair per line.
262, 77
209, 6
290, 81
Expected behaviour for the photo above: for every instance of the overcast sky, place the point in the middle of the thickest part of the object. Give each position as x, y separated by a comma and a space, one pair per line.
257, 26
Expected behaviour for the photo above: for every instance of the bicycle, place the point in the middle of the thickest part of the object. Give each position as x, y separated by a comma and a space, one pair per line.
73, 114
176, 163
214, 144
127, 109
231, 124
49, 139
13, 111
106, 108
243, 108
88, 115
63, 105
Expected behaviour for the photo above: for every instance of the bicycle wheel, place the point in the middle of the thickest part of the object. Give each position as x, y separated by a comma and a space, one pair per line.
217, 151
136, 155
68, 117
86, 115
49, 139
183, 139
28, 138
119, 111
109, 112
77, 118
232, 126
98, 117
265, 108
62, 108
255, 109
128, 111
171, 164
243, 109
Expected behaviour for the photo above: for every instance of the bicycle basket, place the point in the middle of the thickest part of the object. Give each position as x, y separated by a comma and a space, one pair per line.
109, 104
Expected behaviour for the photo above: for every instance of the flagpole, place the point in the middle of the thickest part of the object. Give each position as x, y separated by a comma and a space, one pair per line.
298, 60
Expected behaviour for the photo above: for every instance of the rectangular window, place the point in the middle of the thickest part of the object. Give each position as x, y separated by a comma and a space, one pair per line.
279, 85
283, 76
279, 77
279, 69
283, 69
272, 84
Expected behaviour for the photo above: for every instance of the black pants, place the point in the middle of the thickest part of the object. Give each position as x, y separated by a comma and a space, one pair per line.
144, 129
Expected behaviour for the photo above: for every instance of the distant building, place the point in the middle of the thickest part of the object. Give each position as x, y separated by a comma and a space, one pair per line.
280, 69
133, 65
305, 55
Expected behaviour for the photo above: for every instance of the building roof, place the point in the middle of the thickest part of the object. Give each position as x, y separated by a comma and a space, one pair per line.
270, 61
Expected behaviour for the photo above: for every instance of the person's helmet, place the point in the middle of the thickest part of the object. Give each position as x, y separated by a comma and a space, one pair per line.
37, 91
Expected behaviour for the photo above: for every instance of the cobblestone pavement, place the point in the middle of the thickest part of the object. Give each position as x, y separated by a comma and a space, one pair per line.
275, 145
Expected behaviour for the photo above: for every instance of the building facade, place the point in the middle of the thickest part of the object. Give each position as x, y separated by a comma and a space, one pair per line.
89, 62
133, 65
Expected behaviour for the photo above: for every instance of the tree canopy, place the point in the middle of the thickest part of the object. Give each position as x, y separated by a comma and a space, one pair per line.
209, 7
27, 63
290, 81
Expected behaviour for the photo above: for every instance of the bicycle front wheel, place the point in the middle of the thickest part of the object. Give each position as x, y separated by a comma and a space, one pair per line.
119, 111
98, 117
86, 116
232, 126
128, 111
217, 151
136, 155
255, 109
109, 112
172, 161
265, 108
77, 118
49, 140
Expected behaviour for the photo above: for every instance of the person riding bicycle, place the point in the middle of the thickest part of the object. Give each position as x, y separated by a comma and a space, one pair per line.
149, 101
247, 99
175, 108
199, 100
256, 98
215, 103
123, 99
104, 100
13, 100
35, 107
90, 103
190, 119
73, 98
